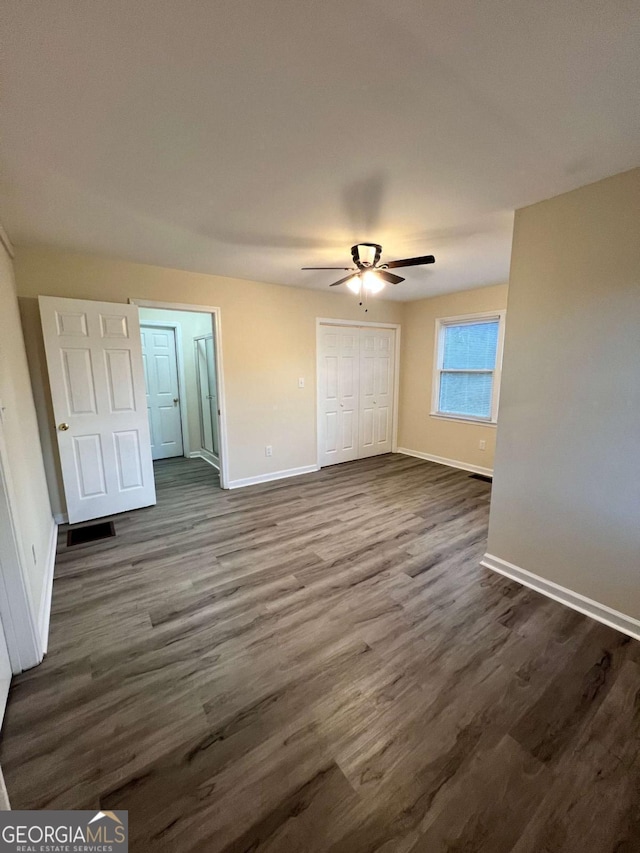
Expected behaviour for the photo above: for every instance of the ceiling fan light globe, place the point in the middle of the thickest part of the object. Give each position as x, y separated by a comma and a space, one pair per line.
372, 283
354, 284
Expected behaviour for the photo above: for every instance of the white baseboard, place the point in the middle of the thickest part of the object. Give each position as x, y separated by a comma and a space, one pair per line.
274, 475
600, 612
208, 457
452, 463
45, 605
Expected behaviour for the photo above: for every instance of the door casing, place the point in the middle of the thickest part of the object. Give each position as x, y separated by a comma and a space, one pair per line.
330, 321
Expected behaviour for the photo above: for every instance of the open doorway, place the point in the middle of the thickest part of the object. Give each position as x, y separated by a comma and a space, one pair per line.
183, 376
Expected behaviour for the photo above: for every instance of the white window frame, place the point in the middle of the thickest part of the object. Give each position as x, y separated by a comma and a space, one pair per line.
438, 357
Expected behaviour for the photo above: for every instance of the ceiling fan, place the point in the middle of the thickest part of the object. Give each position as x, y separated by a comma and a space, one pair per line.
368, 274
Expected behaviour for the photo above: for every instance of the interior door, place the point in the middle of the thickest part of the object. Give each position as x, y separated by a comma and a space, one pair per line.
338, 394
94, 357
163, 398
377, 371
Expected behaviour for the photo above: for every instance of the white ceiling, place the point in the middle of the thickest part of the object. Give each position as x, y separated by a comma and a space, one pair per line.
252, 138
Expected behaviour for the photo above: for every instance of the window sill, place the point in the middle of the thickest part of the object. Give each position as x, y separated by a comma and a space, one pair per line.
462, 420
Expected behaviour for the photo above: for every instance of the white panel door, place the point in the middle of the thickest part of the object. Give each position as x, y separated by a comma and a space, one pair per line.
339, 393
163, 400
94, 357
377, 372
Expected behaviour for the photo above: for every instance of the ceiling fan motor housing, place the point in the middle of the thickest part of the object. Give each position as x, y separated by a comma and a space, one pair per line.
366, 255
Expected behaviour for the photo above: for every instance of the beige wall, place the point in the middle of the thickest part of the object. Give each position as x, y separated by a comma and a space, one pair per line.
191, 325
419, 430
566, 495
268, 341
33, 517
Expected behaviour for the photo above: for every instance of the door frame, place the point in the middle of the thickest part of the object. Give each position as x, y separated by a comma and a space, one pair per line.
329, 321
24, 642
182, 382
216, 319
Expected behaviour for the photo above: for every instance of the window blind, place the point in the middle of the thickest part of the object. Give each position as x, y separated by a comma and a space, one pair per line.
468, 361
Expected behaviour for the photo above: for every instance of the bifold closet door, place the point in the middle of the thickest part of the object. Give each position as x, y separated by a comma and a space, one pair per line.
377, 372
339, 394
356, 390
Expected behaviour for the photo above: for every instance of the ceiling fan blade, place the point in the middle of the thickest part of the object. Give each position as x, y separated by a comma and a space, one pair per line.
327, 268
411, 262
342, 281
390, 277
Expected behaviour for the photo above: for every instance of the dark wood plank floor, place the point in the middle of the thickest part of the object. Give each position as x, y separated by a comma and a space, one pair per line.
320, 664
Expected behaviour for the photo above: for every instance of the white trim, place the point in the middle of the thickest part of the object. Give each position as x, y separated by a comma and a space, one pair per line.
274, 475
600, 612
336, 321
208, 457
451, 463
5, 805
216, 316
47, 593
441, 324
6, 242
182, 382
16, 607
61, 518
331, 321
172, 306
462, 420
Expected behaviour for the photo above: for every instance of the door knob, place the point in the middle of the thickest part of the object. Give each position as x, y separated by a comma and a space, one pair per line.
176, 400
63, 427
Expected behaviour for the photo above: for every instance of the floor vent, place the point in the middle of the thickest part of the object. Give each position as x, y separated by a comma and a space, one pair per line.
90, 533
483, 477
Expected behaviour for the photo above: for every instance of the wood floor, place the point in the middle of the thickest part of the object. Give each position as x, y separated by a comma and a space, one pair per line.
320, 664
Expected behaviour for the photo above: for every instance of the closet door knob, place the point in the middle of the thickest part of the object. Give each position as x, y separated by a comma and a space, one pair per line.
63, 427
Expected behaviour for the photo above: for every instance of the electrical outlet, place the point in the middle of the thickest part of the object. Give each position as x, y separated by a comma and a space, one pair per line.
482, 444
268, 451
301, 382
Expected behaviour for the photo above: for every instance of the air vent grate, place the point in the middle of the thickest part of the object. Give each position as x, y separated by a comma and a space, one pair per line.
90, 533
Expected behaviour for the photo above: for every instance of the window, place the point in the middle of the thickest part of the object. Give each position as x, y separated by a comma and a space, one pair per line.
466, 381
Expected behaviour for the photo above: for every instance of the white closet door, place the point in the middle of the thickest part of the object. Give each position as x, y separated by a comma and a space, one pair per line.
163, 400
377, 372
339, 394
